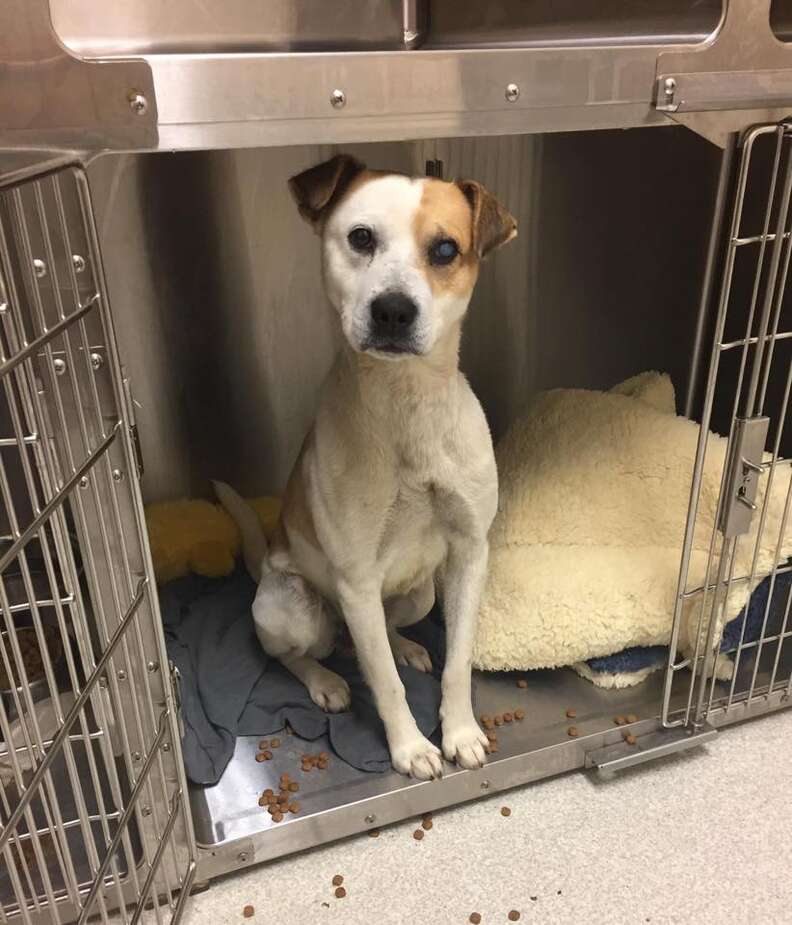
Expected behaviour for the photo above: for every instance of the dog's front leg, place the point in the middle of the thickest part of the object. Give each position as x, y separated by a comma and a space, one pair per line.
411, 752
463, 582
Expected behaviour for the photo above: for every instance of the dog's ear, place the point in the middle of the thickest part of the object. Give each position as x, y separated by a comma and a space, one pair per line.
317, 188
493, 225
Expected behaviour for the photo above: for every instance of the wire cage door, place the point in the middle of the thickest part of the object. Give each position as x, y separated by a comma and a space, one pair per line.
93, 806
731, 645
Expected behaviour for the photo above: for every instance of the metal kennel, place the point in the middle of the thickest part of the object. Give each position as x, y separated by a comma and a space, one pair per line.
102, 256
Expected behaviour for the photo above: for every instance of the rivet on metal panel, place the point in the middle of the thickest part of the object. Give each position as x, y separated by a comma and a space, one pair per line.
146, 810
512, 93
39, 268
371, 818
59, 365
338, 99
117, 475
137, 102
97, 361
485, 785
103, 682
78, 262
166, 746
242, 857
669, 89
152, 666
136, 756
83, 483
122, 675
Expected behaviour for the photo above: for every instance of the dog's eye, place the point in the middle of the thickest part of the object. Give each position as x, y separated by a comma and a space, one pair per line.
361, 240
443, 252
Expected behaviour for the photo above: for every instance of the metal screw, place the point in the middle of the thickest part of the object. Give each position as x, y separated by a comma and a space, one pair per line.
166, 746
97, 361
242, 857
78, 263
39, 268
669, 86
146, 810
103, 682
371, 818
338, 99
136, 756
137, 102
122, 675
117, 475
512, 93
83, 483
59, 365
152, 666
485, 785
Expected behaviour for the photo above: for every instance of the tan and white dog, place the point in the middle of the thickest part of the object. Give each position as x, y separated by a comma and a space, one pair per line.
396, 482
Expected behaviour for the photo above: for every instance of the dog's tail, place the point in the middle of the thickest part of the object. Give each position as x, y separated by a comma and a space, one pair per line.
254, 542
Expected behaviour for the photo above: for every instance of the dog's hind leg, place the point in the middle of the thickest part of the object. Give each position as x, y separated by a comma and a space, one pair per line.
404, 610
294, 624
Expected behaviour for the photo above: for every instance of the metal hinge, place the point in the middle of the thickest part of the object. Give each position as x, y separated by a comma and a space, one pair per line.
133, 429
744, 466
175, 679
647, 747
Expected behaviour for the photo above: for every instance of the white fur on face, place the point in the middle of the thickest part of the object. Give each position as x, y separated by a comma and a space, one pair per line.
387, 206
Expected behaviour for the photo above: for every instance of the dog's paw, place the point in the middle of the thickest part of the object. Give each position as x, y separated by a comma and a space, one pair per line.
407, 652
418, 758
465, 744
330, 692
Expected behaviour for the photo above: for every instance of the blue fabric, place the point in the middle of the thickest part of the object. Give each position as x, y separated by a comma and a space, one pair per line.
637, 658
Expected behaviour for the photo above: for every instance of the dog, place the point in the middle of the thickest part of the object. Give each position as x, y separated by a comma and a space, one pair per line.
396, 483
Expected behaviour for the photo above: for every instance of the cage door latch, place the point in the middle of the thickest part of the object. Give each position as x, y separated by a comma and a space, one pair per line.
647, 747
744, 467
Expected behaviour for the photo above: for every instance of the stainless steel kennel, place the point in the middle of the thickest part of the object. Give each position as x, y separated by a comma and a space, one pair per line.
118, 332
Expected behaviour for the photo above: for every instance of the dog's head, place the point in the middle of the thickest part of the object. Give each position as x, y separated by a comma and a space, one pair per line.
400, 254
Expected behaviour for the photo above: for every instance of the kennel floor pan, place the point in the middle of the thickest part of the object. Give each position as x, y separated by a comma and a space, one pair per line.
233, 831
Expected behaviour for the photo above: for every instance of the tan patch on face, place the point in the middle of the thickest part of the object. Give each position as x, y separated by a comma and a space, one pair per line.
444, 212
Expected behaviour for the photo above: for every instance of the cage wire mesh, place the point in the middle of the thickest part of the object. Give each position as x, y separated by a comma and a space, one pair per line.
747, 669
93, 811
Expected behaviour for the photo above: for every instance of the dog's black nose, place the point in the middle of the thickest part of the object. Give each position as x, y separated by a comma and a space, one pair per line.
392, 315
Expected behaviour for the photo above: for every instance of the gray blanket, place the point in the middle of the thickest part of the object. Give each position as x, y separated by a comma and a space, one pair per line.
229, 686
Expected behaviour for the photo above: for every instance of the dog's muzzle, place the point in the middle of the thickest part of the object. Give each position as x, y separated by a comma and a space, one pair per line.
392, 323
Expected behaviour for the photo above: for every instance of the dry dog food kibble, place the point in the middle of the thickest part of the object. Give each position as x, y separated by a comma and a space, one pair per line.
418, 834
514, 916
294, 787
571, 714
427, 824
620, 720
294, 807
572, 731
508, 717
498, 720
630, 739
475, 918
248, 912
338, 880
519, 715
275, 743
340, 892
263, 744
277, 817
505, 811
522, 683
374, 833
631, 718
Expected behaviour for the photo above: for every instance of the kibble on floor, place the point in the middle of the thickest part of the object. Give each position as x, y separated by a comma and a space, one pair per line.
566, 843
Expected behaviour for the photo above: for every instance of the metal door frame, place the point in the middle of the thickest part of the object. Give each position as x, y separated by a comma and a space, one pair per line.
72, 443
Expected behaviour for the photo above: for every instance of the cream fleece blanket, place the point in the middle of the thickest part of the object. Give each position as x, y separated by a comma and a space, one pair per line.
586, 545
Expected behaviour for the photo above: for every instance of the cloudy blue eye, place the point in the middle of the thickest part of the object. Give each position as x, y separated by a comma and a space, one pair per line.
361, 240
442, 252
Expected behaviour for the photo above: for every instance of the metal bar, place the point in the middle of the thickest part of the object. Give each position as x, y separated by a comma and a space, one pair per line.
126, 816
648, 747
71, 716
730, 345
707, 283
43, 339
55, 502
176, 806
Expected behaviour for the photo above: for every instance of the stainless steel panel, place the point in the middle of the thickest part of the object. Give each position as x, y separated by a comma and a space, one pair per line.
510, 23
153, 27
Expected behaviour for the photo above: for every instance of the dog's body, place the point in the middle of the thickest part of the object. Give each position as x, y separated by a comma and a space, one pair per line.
397, 479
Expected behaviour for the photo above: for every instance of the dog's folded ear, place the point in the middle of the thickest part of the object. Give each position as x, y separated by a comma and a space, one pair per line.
493, 225
316, 189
